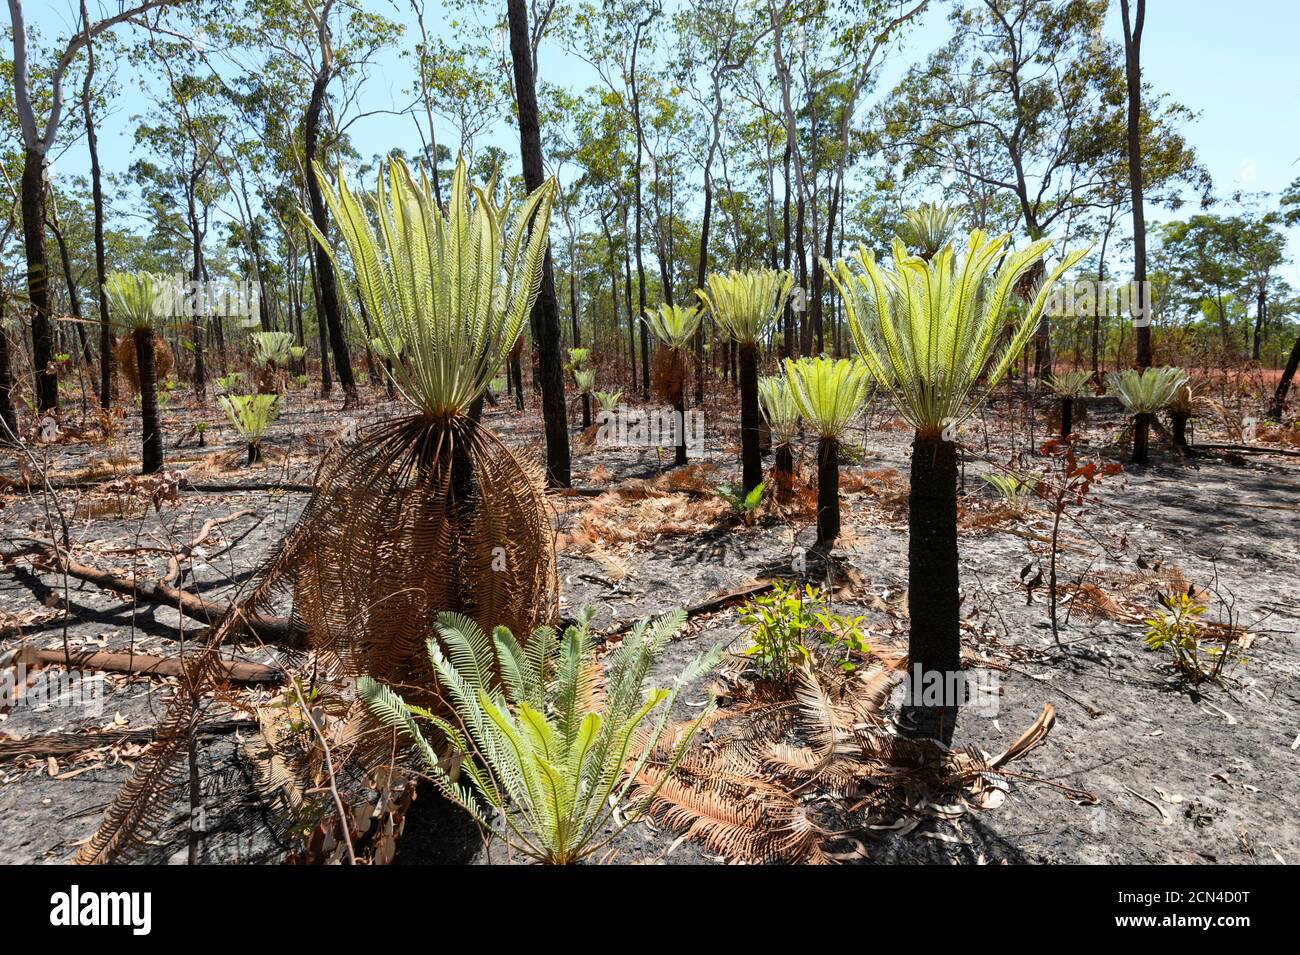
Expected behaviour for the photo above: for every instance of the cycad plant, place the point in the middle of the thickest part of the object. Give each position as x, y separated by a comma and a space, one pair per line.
782, 416
1144, 393
250, 416
1069, 386
674, 326
608, 400
928, 228
928, 331
138, 300
745, 305
429, 512
550, 743
271, 352
828, 393
585, 379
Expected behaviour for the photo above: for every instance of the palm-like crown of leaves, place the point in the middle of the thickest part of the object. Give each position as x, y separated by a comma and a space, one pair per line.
930, 331
447, 289
746, 304
1146, 391
828, 391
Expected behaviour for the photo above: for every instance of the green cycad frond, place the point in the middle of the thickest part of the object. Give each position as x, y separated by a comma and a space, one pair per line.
779, 409
927, 330
452, 287
746, 304
828, 391
1070, 384
1148, 391
548, 752
271, 347
250, 415
608, 400
927, 228
673, 325
578, 357
139, 299
390, 350
585, 379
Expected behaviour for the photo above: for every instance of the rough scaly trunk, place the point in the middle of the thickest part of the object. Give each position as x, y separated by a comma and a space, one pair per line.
152, 453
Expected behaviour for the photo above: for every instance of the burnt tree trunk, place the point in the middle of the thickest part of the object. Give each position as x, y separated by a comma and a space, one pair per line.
1067, 418
546, 310
32, 194
325, 278
101, 268
1284, 383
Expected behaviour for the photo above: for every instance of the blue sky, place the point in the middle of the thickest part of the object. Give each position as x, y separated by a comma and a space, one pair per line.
1234, 63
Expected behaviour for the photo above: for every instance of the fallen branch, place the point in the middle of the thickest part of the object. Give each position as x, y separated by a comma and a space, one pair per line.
1247, 449
277, 630
716, 602
146, 665
67, 744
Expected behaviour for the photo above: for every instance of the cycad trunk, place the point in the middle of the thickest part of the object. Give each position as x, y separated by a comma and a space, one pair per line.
1141, 437
828, 493
586, 412
934, 648
750, 457
152, 454
1179, 421
254, 453
783, 470
1067, 417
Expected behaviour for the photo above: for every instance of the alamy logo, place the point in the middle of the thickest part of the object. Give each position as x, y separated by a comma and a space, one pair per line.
76, 908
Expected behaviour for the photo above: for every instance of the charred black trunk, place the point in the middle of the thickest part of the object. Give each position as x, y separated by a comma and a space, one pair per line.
1067, 418
152, 453
679, 411
1179, 422
546, 311
1141, 437
1284, 383
254, 453
325, 278
586, 412
828, 493
9, 420
934, 647
38, 280
750, 458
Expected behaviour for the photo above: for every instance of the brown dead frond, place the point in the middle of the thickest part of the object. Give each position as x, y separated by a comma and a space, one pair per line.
777, 781
413, 519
